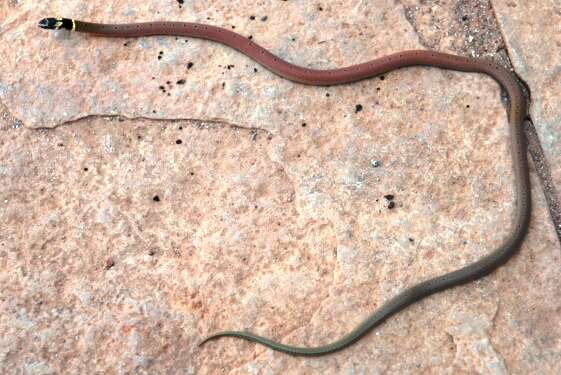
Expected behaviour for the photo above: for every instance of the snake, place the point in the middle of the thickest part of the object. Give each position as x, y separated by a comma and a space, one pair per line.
517, 119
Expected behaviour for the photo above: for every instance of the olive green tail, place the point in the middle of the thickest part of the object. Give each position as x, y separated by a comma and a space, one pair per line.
292, 350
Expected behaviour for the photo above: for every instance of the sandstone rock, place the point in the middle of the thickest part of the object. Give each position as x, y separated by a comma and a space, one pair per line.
255, 205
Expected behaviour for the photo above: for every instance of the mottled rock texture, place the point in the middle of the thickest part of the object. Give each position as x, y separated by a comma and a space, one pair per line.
137, 221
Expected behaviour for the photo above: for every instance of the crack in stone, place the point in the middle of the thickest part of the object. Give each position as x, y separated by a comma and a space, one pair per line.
453, 347
410, 17
495, 314
199, 122
543, 171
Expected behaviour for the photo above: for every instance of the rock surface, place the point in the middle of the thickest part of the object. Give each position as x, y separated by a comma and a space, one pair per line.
141, 221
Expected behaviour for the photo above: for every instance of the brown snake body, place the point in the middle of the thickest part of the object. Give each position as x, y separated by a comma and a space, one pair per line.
517, 117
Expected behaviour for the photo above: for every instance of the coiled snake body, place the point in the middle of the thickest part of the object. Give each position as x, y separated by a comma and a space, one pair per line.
517, 117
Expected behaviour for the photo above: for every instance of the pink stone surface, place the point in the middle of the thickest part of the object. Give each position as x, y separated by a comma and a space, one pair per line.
128, 235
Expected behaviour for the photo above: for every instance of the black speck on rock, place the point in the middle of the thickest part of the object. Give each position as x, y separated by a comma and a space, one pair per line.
391, 205
389, 197
181, 82
156, 198
358, 108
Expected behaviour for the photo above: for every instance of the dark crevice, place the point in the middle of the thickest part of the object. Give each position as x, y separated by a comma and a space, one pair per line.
544, 174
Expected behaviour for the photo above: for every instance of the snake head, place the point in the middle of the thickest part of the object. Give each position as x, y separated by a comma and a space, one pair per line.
56, 23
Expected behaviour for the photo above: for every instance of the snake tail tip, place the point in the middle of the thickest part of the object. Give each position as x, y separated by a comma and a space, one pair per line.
205, 340
219, 335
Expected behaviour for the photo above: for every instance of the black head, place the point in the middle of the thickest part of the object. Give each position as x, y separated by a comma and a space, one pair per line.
56, 23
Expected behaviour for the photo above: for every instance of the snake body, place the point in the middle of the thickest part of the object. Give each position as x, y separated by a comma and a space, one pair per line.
516, 116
